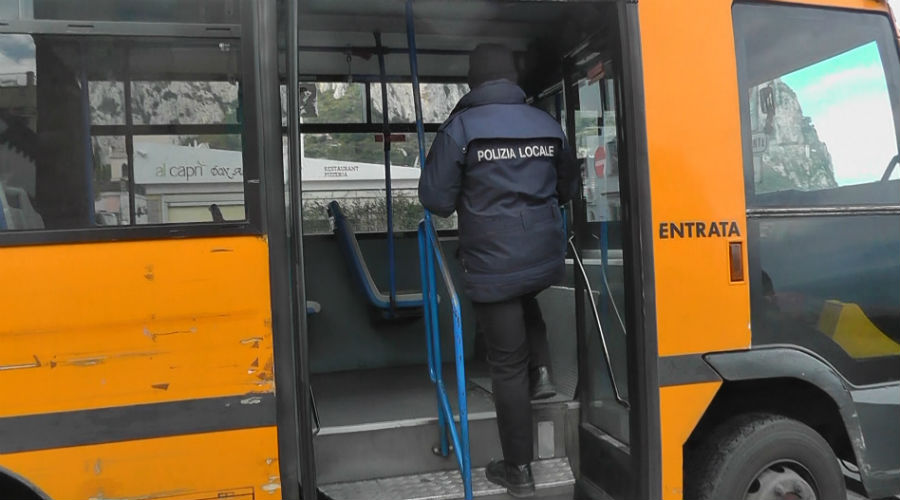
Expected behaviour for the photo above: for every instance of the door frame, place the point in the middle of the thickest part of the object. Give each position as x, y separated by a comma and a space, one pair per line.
295, 447
633, 471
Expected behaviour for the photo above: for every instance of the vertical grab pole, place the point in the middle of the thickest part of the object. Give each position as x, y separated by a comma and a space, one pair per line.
432, 255
298, 292
386, 135
429, 287
417, 95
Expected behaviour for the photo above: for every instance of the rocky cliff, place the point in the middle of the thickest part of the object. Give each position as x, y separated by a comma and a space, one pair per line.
788, 154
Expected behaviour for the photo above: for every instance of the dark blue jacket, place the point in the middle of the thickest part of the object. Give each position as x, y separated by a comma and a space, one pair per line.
504, 167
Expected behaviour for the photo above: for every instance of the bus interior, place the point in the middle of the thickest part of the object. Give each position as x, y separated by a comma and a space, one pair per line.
375, 407
113, 104
152, 120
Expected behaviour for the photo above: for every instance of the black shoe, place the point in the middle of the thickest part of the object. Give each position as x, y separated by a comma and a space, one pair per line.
541, 385
517, 479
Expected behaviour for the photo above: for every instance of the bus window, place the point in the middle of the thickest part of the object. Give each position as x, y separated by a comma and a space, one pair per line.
178, 178
48, 162
349, 168
822, 118
335, 102
111, 182
808, 125
820, 130
162, 102
437, 101
600, 239
94, 125
106, 99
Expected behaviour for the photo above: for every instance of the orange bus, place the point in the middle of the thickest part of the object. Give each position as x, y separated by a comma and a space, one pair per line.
211, 291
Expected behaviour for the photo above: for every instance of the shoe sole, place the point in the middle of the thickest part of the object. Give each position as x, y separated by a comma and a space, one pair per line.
516, 494
528, 493
543, 393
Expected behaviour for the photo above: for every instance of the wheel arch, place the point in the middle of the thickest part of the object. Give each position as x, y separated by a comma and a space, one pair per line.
11, 481
774, 380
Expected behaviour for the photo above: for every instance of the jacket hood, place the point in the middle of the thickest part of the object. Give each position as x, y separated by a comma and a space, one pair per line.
492, 92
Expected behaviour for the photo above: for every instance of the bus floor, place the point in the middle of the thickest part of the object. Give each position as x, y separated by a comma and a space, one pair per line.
379, 433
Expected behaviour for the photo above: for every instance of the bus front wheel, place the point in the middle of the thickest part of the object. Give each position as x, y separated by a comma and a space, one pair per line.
763, 456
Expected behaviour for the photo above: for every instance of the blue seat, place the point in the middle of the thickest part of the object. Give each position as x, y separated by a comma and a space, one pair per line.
404, 303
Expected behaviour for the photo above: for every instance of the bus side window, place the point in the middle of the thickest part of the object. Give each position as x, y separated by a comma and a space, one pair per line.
86, 143
820, 110
809, 126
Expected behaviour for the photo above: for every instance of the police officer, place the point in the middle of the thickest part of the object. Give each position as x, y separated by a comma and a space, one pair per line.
505, 168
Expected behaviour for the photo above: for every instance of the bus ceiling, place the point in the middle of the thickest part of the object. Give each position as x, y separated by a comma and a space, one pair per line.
539, 32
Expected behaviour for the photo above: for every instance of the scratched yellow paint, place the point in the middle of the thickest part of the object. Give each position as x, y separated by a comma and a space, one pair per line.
696, 174
196, 466
111, 324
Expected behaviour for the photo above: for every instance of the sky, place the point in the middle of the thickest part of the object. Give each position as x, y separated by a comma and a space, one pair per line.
846, 97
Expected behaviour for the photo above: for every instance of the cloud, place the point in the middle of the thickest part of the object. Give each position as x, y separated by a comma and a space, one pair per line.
861, 79
17, 47
859, 134
16, 54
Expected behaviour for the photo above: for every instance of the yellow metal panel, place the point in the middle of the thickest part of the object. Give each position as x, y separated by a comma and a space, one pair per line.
192, 467
111, 324
696, 172
849, 327
696, 175
681, 407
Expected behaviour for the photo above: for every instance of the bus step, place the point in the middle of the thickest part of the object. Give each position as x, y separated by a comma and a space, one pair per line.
553, 479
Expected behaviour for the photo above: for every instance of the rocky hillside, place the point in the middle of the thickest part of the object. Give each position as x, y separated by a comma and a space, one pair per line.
217, 102
164, 102
788, 153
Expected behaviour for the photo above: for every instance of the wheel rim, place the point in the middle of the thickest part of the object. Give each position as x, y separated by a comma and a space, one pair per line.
782, 481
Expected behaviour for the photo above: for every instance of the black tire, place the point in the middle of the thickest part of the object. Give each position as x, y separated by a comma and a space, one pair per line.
728, 464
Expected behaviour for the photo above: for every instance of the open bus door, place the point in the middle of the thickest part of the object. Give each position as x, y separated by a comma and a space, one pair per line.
374, 439
618, 429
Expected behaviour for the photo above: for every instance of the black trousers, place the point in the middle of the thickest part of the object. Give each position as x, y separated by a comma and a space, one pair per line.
517, 340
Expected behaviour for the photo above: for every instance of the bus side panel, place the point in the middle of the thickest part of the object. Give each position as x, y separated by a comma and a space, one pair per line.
698, 206
241, 464
696, 176
111, 324
125, 341
683, 405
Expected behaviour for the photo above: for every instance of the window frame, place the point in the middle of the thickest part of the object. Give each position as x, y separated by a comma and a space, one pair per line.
757, 210
861, 371
127, 31
366, 126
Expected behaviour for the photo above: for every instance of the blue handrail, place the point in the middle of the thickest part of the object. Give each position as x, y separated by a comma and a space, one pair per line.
431, 255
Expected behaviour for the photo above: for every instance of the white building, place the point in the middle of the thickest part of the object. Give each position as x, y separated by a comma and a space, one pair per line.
180, 183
